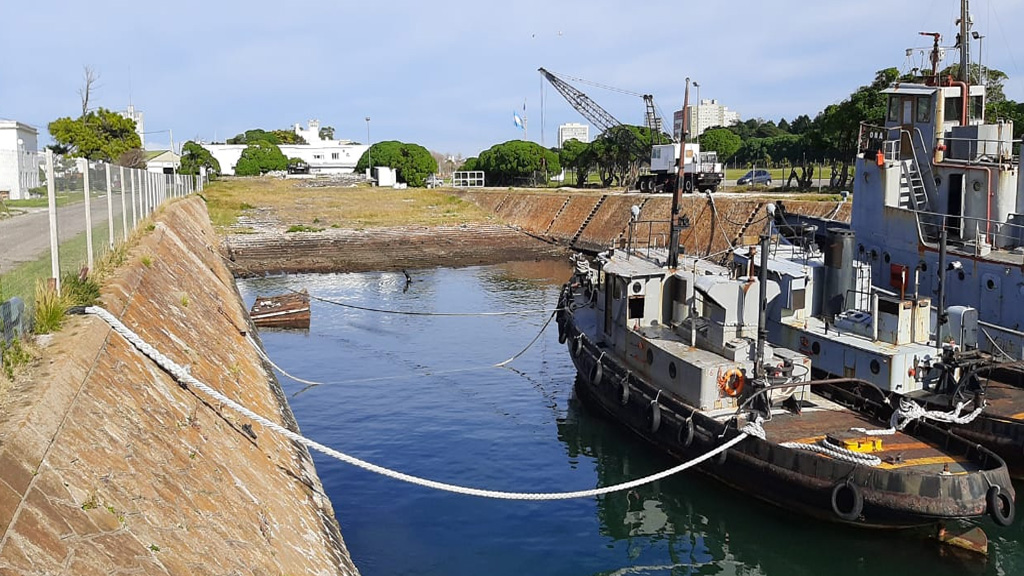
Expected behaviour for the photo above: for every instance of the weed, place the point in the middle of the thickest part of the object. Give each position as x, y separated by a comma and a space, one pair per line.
90, 504
154, 548
147, 260
303, 228
246, 206
50, 308
316, 220
14, 355
79, 289
184, 300
150, 227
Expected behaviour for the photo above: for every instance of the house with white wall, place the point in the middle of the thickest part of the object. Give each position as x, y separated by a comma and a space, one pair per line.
19, 159
162, 161
324, 156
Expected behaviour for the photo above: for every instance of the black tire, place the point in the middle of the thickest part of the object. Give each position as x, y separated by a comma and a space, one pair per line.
624, 392
576, 347
597, 373
847, 501
1000, 506
655, 417
685, 434
688, 186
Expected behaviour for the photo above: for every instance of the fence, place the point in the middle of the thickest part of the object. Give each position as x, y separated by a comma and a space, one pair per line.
59, 215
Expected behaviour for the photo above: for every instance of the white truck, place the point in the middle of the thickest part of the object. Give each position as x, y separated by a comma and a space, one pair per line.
700, 170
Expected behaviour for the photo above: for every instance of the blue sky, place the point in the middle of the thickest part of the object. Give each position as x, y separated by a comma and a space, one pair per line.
448, 74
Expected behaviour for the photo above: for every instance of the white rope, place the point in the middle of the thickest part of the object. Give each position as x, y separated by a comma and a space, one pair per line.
755, 428
910, 410
837, 452
182, 375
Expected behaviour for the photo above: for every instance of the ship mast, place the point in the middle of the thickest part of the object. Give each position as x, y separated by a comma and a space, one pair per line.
676, 225
964, 39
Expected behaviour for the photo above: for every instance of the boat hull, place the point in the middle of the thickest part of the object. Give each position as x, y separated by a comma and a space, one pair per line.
794, 479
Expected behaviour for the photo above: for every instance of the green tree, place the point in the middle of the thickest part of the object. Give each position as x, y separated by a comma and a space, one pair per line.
578, 157
470, 164
327, 133
516, 161
721, 140
412, 163
98, 135
260, 157
622, 151
194, 156
275, 137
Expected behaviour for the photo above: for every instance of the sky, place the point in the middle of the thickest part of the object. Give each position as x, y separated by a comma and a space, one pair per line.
448, 74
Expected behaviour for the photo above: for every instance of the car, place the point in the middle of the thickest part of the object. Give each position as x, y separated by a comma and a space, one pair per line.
434, 181
756, 177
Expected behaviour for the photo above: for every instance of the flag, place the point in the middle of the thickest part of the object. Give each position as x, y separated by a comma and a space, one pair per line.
518, 120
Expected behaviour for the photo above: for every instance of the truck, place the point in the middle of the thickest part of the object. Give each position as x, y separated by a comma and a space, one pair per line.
701, 170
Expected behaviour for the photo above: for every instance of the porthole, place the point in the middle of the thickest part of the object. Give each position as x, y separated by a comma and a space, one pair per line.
816, 348
990, 284
923, 266
637, 287
875, 367
886, 257
976, 186
938, 181
672, 370
650, 356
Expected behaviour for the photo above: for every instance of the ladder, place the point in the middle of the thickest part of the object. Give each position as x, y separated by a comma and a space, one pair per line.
912, 191
587, 221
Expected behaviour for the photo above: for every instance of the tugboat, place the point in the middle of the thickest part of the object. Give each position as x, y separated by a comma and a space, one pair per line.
937, 213
676, 350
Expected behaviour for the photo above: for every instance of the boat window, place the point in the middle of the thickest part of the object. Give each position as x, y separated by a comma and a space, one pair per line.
952, 109
977, 111
636, 307
924, 109
894, 108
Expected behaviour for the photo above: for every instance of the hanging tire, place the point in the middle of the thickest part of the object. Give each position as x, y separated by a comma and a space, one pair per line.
655, 417
688, 186
685, 434
847, 501
624, 393
1000, 506
597, 373
562, 336
577, 346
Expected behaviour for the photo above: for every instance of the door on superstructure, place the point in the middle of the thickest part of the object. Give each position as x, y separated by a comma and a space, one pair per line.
906, 127
955, 209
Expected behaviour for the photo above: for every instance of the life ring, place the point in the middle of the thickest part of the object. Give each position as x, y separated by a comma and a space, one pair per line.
1000, 506
685, 434
732, 381
847, 501
597, 372
655, 417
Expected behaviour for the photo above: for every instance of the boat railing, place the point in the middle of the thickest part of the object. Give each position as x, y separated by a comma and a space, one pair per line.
643, 238
1001, 235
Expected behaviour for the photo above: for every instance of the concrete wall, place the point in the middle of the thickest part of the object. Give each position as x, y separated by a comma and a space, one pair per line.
107, 465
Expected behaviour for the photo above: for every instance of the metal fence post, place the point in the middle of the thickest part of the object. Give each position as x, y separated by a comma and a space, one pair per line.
124, 207
51, 206
88, 215
135, 212
110, 209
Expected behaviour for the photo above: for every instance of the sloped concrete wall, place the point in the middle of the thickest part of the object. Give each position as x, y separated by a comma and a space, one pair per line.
107, 465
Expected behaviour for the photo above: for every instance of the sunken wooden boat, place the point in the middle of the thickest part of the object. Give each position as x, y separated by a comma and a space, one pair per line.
290, 310
677, 352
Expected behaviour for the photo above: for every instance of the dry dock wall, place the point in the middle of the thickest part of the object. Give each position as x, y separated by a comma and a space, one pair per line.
108, 466
595, 221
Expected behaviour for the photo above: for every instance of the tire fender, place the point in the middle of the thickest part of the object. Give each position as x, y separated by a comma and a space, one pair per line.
1000, 506
685, 434
624, 397
597, 372
856, 507
655, 416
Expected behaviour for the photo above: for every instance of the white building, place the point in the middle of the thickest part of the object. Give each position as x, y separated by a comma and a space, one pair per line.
132, 114
162, 161
572, 130
323, 156
703, 115
19, 159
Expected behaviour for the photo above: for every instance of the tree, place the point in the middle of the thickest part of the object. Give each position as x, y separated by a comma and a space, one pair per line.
470, 164
89, 79
516, 162
578, 157
412, 162
194, 156
98, 135
620, 152
327, 133
275, 137
260, 157
721, 140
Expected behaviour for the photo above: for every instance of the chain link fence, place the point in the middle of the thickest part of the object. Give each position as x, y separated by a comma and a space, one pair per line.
61, 215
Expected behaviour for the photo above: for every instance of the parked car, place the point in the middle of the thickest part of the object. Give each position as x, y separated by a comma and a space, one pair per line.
756, 177
434, 181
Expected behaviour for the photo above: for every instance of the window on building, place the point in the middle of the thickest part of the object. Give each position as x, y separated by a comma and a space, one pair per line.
318, 156
924, 109
334, 155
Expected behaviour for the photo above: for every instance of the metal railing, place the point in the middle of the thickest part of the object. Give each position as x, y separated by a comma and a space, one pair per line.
60, 215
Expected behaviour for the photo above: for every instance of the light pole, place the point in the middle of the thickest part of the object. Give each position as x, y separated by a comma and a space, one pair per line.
696, 131
369, 158
981, 65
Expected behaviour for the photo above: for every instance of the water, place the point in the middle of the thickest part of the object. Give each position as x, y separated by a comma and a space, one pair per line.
415, 393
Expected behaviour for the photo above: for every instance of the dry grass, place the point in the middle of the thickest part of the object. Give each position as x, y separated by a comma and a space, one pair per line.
358, 207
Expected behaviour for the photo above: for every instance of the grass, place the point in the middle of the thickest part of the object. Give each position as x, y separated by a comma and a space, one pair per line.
64, 199
359, 207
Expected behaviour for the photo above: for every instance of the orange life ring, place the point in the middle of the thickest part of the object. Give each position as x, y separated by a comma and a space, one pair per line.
732, 381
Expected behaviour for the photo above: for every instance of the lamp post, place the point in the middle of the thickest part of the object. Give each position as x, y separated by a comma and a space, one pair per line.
981, 65
696, 131
369, 158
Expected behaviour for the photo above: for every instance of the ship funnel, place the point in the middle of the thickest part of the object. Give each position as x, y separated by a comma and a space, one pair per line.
839, 274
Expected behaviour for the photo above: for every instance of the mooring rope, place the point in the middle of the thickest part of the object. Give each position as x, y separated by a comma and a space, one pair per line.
182, 375
416, 313
311, 384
